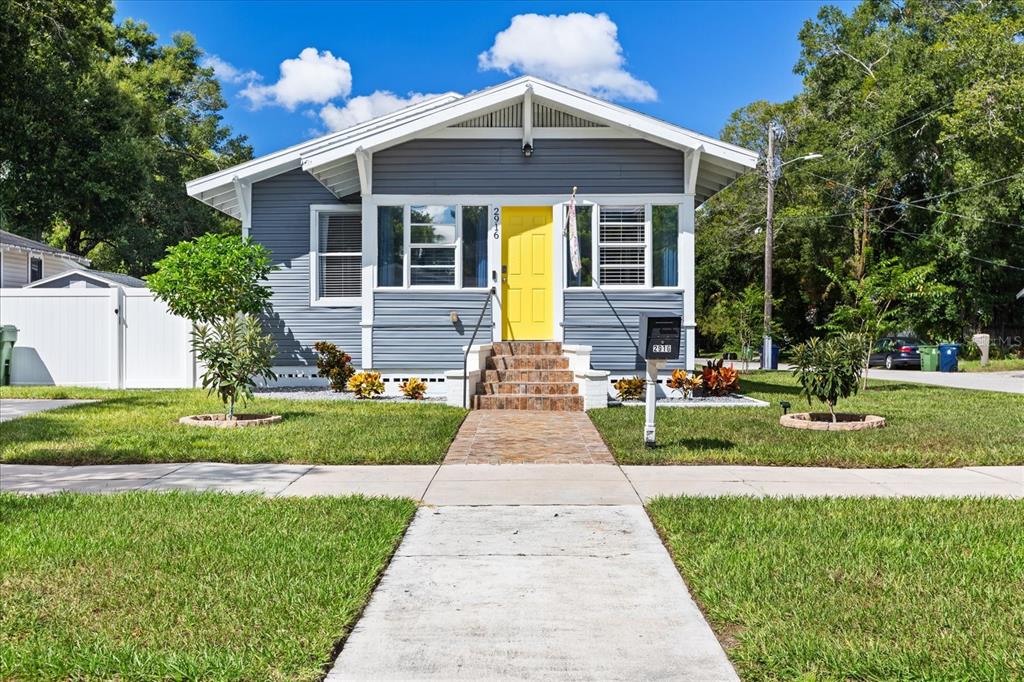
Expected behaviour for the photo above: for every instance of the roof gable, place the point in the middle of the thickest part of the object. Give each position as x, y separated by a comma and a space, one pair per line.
333, 159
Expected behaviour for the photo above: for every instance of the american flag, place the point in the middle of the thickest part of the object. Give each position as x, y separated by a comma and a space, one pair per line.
574, 237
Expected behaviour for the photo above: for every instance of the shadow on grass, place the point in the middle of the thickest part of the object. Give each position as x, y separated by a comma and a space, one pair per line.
696, 444
754, 386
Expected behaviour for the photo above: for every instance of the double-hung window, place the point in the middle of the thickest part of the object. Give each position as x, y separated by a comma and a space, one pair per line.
432, 246
337, 256
433, 239
626, 246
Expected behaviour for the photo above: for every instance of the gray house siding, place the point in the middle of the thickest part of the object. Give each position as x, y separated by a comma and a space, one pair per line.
611, 325
413, 330
280, 221
596, 166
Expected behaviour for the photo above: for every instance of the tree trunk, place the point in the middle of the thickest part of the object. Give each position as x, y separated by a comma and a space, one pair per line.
231, 407
867, 365
831, 411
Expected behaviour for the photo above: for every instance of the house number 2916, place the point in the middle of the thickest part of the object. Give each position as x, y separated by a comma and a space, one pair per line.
496, 217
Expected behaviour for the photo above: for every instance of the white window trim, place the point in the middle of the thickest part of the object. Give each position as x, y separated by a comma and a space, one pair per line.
595, 245
315, 211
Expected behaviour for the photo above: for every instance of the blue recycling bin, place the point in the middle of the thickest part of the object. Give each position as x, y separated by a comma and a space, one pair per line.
948, 353
775, 356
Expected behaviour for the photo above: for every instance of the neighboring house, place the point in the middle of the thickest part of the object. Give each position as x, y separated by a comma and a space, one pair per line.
87, 279
390, 233
24, 260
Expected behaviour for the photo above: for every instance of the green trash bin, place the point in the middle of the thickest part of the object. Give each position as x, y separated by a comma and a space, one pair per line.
929, 358
8, 335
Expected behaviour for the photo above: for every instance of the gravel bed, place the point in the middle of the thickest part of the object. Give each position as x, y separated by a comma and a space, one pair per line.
734, 400
317, 393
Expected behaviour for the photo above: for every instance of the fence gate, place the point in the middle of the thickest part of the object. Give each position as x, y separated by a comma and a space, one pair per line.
101, 337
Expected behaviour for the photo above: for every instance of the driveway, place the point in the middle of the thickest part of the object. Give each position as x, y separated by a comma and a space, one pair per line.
1003, 382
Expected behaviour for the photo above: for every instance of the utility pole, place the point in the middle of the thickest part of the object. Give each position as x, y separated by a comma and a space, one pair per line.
769, 238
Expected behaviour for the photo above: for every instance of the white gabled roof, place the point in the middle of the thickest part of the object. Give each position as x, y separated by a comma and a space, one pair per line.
331, 159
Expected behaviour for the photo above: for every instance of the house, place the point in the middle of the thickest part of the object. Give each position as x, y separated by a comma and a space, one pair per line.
390, 235
93, 279
24, 260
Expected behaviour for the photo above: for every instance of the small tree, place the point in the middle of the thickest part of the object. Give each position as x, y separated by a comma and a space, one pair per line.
213, 277
739, 320
235, 351
828, 369
216, 282
880, 301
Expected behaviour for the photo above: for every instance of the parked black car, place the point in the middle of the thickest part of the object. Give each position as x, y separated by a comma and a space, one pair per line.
894, 352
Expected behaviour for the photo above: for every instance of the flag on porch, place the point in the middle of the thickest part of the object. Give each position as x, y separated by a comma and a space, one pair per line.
574, 237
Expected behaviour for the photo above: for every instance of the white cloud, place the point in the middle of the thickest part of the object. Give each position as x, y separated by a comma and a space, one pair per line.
314, 76
228, 72
365, 107
579, 50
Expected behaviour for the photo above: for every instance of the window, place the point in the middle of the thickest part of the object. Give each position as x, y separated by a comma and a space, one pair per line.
584, 230
339, 237
474, 246
665, 256
390, 245
35, 268
432, 241
432, 246
622, 245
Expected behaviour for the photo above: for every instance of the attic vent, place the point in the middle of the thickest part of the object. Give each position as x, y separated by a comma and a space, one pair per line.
543, 117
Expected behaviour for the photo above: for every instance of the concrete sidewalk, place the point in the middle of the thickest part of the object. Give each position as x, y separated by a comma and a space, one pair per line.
1002, 382
518, 484
13, 408
532, 593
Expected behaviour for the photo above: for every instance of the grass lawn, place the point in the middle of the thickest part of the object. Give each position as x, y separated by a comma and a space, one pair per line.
992, 366
927, 426
865, 589
186, 586
142, 426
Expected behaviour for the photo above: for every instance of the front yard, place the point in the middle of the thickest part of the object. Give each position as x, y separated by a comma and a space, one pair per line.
186, 586
141, 426
927, 427
866, 589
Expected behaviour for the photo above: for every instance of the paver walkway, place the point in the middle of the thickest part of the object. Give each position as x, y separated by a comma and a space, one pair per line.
527, 436
522, 484
532, 593
12, 408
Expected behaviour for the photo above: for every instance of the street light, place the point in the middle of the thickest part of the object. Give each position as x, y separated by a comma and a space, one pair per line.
772, 171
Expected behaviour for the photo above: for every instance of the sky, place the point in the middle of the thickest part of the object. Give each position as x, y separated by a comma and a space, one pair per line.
291, 71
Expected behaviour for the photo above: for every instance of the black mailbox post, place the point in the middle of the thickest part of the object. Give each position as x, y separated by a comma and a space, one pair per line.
660, 335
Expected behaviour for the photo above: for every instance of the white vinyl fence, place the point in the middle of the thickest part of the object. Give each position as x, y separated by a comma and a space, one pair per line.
106, 338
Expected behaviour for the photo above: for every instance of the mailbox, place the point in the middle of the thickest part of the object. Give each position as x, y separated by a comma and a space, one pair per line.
660, 336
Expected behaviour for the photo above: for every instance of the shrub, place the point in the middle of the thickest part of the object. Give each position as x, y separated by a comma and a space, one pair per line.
334, 364
413, 388
682, 382
630, 388
829, 369
366, 384
719, 380
234, 350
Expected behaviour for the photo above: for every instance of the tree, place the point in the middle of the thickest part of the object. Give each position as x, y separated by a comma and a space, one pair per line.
99, 129
828, 369
739, 320
915, 107
213, 277
217, 282
882, 300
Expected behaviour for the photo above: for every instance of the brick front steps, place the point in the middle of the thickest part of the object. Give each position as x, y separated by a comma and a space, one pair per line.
528, 375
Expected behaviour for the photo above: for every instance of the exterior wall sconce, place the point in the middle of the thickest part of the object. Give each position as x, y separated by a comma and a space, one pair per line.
527, 150
454, 317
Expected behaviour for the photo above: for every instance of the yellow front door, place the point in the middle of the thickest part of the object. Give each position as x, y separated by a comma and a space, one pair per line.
527, 236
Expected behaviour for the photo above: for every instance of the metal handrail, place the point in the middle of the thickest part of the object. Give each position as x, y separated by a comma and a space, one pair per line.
465, 358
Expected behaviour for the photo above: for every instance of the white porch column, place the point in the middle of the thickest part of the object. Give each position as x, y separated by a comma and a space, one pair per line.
687, 276
369, 277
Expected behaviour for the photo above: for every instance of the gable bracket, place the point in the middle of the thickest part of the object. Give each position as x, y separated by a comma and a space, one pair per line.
364, 162
528, 116
692, 160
